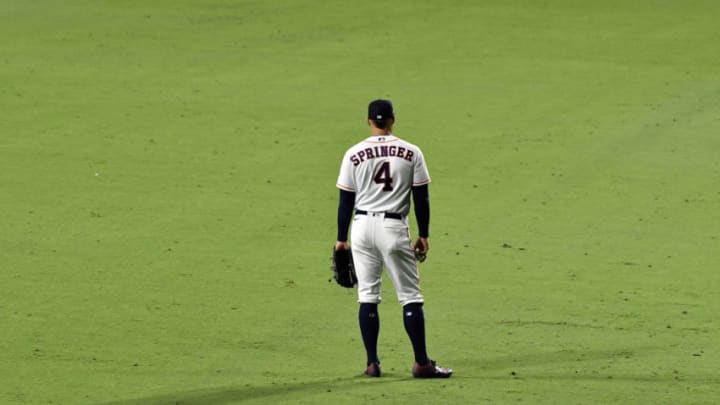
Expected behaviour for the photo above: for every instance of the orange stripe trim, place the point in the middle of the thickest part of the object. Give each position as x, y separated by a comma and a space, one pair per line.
346, 188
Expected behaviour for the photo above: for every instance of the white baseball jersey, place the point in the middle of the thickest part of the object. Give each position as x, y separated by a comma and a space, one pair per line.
381, 170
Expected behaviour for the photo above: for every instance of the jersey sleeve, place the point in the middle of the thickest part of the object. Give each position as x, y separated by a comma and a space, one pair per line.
420, 170
345, 179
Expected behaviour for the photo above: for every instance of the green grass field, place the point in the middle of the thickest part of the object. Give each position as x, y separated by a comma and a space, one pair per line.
168, 199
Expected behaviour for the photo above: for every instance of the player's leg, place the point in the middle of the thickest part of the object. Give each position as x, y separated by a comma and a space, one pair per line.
369, 320
402, 269
367, 259
400, 261
368, 267
414, 321
409, 295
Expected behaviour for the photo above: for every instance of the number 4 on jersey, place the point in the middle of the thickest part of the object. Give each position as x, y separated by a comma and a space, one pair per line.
383, 177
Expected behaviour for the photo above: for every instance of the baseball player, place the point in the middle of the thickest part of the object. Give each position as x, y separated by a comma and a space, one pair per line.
377, 177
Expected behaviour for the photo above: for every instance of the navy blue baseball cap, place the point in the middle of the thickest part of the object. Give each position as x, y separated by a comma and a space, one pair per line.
380, 110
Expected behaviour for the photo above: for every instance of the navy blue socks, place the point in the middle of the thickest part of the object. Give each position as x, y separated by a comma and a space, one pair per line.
370, 329
414, 320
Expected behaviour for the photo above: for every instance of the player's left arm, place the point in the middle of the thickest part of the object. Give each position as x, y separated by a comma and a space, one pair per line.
421, 204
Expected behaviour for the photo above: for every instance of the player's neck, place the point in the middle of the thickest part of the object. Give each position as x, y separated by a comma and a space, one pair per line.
380, 132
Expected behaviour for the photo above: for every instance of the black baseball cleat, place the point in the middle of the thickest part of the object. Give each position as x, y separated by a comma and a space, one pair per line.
430, 370
373, 370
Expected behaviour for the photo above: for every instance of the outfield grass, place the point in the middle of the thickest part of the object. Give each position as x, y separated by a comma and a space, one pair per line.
168, 201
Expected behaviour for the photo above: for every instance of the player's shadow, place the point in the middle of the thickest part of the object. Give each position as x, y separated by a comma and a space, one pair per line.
224, 395
465, 369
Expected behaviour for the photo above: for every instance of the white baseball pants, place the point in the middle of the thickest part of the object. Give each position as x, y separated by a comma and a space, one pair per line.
378, 241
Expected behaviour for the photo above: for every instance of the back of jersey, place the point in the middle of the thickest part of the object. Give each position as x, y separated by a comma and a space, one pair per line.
381, 171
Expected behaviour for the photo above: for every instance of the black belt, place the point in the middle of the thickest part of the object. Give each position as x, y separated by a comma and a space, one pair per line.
390, 215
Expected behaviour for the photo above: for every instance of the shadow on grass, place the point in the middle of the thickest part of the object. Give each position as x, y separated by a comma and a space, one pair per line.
223, 395
465, 369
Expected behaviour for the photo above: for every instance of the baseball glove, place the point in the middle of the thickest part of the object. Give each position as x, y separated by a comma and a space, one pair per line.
344, 268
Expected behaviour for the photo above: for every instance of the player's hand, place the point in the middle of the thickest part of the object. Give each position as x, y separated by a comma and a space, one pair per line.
421, 247
342, 245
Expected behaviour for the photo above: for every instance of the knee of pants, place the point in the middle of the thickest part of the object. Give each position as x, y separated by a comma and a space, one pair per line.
369, 298
405, 299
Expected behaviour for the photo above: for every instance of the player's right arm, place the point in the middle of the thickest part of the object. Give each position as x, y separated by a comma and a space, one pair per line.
346, 203
345, 209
